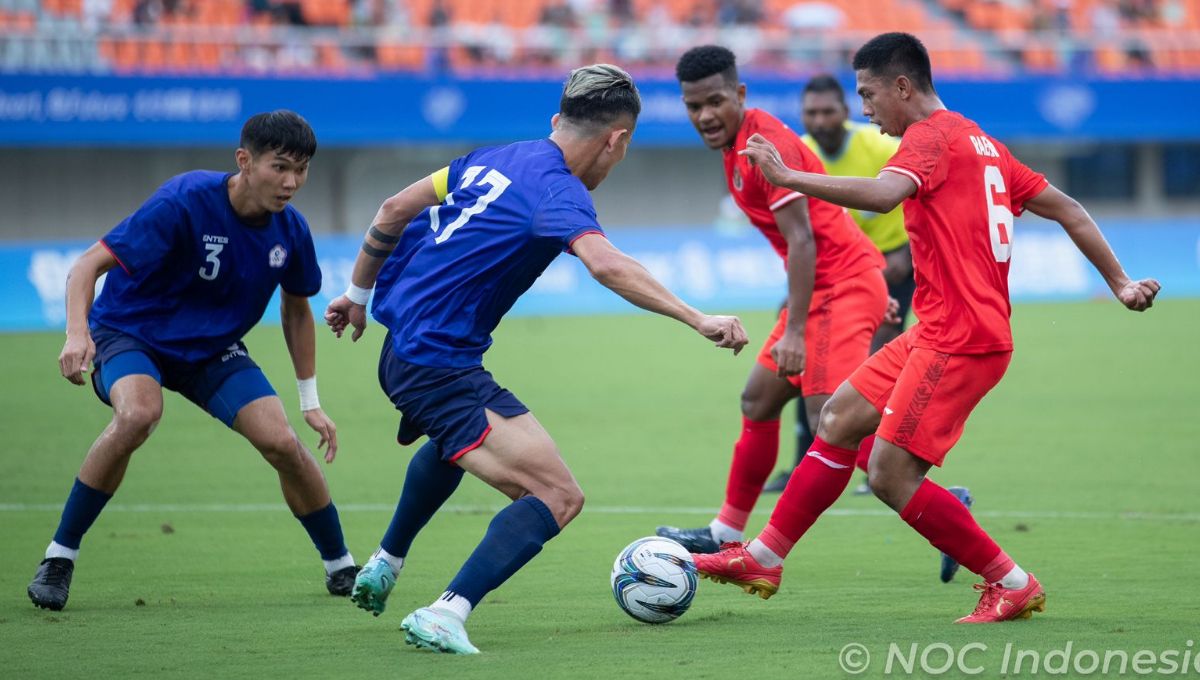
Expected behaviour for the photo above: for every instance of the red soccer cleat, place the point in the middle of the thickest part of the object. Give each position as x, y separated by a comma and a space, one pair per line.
1005, 604
734, 564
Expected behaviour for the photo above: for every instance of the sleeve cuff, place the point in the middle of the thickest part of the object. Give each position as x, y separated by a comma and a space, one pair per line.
901, 171
785, 200
580, 235
115, 256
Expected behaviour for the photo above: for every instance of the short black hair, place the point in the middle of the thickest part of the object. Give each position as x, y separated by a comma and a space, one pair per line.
825, 83
282, 131
895, 54
598, 95
701, 62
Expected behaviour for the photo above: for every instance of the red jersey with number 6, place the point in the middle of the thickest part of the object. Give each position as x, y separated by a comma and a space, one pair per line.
960, 222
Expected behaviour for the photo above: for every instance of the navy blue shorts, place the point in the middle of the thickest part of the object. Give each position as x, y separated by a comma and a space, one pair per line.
445, 403
221, 386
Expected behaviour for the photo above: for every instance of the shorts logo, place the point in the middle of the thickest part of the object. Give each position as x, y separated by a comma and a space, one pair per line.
737, 178
277, 257
232, 351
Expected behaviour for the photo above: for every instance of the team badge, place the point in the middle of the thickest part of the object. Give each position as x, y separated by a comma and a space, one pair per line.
737, 178
277, 256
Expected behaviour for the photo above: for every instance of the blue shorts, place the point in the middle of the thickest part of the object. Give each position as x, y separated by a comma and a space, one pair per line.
221, 385
445, 403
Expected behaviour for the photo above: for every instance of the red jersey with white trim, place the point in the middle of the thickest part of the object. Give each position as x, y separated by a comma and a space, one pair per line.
843, 251
960, 223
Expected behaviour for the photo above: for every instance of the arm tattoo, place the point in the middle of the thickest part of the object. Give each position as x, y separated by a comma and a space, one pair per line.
373, 251
382, 237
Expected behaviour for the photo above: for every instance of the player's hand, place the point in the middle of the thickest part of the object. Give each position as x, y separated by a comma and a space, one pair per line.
1136, 295
891, 316
726, 331
76, 357
765, 156
341, 313
323, 426
788, 353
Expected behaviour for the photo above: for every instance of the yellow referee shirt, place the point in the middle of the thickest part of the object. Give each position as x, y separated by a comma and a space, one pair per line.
864, 154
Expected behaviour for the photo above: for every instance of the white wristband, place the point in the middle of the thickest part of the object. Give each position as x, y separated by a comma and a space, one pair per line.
308, 394
359, 296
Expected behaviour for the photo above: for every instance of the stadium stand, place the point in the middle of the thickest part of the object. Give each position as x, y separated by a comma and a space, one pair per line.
494, 37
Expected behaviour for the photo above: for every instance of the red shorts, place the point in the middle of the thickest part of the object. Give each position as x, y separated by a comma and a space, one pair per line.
842, 319
924, 395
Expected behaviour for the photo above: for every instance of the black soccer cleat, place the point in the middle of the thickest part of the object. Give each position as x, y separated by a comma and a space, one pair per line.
949, 565
341, 582
778, 484
693, 540
52, 583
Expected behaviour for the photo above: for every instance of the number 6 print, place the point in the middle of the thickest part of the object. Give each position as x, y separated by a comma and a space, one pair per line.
1000, 217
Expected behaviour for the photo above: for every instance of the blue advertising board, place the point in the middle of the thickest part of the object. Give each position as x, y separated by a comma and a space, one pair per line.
111, 110
713, 270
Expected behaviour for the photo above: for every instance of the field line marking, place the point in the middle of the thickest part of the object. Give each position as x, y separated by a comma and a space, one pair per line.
605, 510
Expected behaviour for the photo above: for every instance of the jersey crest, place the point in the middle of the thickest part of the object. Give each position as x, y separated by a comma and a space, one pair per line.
277, 256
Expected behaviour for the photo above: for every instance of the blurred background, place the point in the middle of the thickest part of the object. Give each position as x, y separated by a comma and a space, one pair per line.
103, 100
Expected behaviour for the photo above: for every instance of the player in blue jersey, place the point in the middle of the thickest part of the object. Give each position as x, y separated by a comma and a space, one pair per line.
447, 257
189, 273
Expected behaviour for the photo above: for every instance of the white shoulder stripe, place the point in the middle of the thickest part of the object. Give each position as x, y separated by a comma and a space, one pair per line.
785, 200
901, 171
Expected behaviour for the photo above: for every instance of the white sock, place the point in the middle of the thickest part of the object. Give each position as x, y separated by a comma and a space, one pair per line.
342, 562
764, 555
723, 533
455, 605
397, 563
1015, 579
59, 550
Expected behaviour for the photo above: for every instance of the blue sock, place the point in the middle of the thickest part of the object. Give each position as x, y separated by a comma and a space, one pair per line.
427, 485
82, 508
325, 531
514, 537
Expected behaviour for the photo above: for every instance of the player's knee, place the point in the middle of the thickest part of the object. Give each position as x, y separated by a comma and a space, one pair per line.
564, 501
281, 449
756, 408
137, 419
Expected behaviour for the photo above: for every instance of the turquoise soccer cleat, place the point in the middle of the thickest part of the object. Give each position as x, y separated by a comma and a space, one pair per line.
373, 585
430, 629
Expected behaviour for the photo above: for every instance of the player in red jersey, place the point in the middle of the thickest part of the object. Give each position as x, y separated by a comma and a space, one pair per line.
837, 296
961, 189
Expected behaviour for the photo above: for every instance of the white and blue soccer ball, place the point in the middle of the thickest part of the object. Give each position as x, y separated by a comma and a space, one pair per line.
654, 580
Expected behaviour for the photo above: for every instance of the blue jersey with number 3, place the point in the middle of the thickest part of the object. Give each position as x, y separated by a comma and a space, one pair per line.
193, 278
461, 265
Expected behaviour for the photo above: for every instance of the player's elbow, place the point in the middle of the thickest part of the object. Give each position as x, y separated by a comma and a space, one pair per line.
882, 202
606, 269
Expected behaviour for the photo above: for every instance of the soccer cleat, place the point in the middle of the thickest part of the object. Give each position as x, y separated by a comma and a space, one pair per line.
997, 603
949, 565
734, 564
373, 585
340, 582
430, 629
862, 489
778, 484
52, 583
693, 540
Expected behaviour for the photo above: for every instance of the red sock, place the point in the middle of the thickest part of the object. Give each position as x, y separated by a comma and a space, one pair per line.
816, 483
946, 523
864, 452
754, 457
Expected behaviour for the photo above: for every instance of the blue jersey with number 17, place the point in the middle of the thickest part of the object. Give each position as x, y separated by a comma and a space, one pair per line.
460, 266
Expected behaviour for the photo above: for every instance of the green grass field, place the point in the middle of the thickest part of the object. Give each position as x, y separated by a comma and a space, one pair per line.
1084, 464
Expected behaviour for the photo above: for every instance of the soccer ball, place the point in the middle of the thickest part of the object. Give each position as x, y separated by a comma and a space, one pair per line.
654, 580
